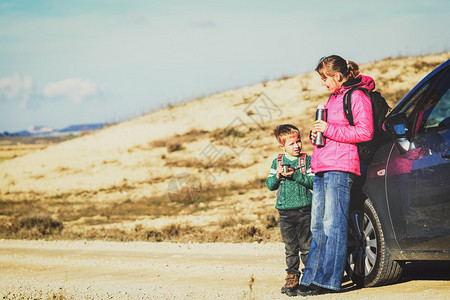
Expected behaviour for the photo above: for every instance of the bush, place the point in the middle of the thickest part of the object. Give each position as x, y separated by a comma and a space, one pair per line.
249, 232
172, 232
30, 227
43, 225
174, 147
271, 222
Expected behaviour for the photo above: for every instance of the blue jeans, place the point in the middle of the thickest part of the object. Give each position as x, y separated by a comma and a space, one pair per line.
329, 215
294, 228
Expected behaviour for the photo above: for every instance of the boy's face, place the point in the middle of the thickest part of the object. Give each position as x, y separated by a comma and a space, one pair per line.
292, 144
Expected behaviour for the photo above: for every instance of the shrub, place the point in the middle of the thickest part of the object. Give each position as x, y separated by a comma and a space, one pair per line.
249, 232
271, 222
43, 224
153, 235
172, 232
30, 227
174, 147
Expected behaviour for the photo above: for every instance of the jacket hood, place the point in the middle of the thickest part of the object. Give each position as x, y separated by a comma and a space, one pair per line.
362, 81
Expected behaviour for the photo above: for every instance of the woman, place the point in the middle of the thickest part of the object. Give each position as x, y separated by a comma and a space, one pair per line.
335, 165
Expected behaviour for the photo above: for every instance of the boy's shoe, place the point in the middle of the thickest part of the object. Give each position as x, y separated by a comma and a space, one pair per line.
291, 284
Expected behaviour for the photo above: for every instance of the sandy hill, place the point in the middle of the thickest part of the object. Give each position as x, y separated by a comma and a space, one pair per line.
202, 162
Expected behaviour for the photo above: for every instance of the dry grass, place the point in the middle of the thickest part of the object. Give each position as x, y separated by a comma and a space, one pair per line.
189, 137
46, 217
13, 151
17, 146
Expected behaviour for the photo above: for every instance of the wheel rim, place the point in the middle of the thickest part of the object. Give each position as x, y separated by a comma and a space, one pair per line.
362, 245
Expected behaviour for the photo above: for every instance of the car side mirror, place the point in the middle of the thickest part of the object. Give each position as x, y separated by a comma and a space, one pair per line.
397, 127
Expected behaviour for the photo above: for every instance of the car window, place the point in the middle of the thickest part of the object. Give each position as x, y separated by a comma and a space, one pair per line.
414, 101
411, 107
439, 115
434, 113
428, 107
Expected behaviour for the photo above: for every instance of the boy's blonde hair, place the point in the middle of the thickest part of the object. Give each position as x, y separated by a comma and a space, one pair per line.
282, 131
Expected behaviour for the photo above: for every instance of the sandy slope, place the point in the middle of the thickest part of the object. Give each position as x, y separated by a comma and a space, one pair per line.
105, 270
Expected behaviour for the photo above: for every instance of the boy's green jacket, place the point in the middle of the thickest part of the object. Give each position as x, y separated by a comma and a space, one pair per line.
295, 192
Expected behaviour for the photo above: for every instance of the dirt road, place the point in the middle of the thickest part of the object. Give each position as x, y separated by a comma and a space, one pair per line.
106, 270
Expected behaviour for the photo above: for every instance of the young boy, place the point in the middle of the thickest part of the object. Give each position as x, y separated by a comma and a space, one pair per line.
291, 176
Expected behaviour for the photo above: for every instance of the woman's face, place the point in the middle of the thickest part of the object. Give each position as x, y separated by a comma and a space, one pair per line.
332, 83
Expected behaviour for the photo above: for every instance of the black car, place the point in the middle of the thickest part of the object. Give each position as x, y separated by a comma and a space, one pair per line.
405, 212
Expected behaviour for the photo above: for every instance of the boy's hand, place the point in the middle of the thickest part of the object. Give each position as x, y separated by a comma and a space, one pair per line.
281, 173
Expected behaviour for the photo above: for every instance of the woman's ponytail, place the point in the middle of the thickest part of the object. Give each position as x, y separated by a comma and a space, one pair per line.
353, 69
330, 65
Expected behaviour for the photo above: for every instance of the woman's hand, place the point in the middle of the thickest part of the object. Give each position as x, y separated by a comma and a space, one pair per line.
319, 126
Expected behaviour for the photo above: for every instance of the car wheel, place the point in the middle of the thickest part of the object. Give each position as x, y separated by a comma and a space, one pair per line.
368, 259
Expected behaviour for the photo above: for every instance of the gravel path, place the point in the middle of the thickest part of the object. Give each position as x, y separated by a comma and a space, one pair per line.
140, 270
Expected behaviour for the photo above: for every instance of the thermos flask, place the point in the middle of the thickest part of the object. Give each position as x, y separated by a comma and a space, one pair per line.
320, 115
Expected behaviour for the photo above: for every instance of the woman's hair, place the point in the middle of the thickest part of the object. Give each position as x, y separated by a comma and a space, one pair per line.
284, 130
330, 65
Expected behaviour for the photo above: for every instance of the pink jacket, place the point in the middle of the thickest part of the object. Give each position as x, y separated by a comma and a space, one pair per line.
340, 152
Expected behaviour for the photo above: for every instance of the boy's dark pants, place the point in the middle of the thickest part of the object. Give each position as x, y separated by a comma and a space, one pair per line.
296, 234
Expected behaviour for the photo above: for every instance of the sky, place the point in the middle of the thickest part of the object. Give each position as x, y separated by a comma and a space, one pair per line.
105, 61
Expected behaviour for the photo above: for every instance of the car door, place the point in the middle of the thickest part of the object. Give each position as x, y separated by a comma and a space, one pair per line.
417, 181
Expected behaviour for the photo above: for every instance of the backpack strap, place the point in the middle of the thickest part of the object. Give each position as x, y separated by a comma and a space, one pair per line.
279, 164
279, 160
302, 163
348, 103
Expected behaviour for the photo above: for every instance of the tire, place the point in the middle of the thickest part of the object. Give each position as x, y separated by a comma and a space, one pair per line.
368, 259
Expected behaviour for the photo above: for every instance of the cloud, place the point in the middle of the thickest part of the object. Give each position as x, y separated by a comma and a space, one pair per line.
204, 22
74, 89
15, 87
133, 18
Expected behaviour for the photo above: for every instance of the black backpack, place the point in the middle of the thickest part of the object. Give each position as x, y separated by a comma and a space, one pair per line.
380, 108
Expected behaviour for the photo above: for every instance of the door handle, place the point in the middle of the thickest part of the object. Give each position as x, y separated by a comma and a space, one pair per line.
445, 154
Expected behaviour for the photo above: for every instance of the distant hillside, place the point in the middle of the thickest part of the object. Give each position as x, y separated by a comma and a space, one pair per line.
48, 131
193, 171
